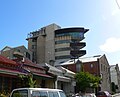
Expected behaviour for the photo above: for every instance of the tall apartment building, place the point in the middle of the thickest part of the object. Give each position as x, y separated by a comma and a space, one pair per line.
53, 44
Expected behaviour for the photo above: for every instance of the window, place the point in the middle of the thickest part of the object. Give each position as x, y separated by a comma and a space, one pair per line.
33, 46
62, 41
20, 93
91, 65
73, 35
62, 94
63, 57
39, 94
53, 94
34, 40
18, 50
62, 49
27, 55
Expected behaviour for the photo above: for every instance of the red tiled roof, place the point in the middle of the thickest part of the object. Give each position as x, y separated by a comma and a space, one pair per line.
28, 62
5, 60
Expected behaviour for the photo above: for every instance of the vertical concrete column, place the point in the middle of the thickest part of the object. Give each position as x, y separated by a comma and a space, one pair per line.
56, 84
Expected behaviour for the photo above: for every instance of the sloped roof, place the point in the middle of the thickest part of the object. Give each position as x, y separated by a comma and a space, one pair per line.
28, 62
67, 72
6, 48
90, 59
10, 71
83, 60
53, 68
5, 60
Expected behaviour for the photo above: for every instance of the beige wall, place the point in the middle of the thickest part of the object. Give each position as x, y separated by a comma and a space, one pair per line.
45, 44
40, 49
20, 49
105, 73
49, 83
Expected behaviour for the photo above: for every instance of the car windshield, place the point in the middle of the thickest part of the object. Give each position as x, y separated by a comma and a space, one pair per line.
62, 94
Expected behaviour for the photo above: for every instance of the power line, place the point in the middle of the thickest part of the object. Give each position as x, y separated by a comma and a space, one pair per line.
117, 3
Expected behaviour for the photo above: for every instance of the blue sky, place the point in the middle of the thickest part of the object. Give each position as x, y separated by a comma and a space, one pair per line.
101, 17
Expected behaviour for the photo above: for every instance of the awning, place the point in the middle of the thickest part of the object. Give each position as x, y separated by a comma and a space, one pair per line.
42, 75
63, 78
10, 71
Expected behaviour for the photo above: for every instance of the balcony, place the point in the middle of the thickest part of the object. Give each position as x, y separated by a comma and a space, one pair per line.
78, 45
18, 54
77, 53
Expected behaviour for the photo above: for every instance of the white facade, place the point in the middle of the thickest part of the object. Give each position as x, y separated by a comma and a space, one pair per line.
65, 78
115, 76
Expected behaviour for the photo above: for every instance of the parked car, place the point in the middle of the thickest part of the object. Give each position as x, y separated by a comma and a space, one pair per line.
37, 92
90, 95
103, 94
85, 95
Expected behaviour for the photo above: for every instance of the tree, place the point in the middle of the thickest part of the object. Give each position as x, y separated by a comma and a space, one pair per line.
86, 80
28, 80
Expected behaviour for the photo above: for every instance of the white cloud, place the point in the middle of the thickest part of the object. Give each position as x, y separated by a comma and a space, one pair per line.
111, 45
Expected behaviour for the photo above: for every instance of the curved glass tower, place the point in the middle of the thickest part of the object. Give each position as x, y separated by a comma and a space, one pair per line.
68, 43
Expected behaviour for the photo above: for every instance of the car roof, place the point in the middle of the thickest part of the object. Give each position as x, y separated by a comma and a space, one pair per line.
46, 89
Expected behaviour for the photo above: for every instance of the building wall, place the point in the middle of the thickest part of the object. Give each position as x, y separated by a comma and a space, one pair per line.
6, 53
20, 50
92, 67
45, 44
71, 67
50, 83
40, 52
46, 39
105, 74
99, 67
50, 43
115, 76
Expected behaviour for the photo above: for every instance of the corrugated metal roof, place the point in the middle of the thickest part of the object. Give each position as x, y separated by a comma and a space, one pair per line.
83, 60
90, 59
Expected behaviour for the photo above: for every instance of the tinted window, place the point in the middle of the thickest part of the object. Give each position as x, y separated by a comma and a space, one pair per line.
20, 93
53, 94
39, 94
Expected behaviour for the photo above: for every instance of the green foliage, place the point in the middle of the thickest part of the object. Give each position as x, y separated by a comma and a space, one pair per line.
4, 93
28, 80
86, 80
